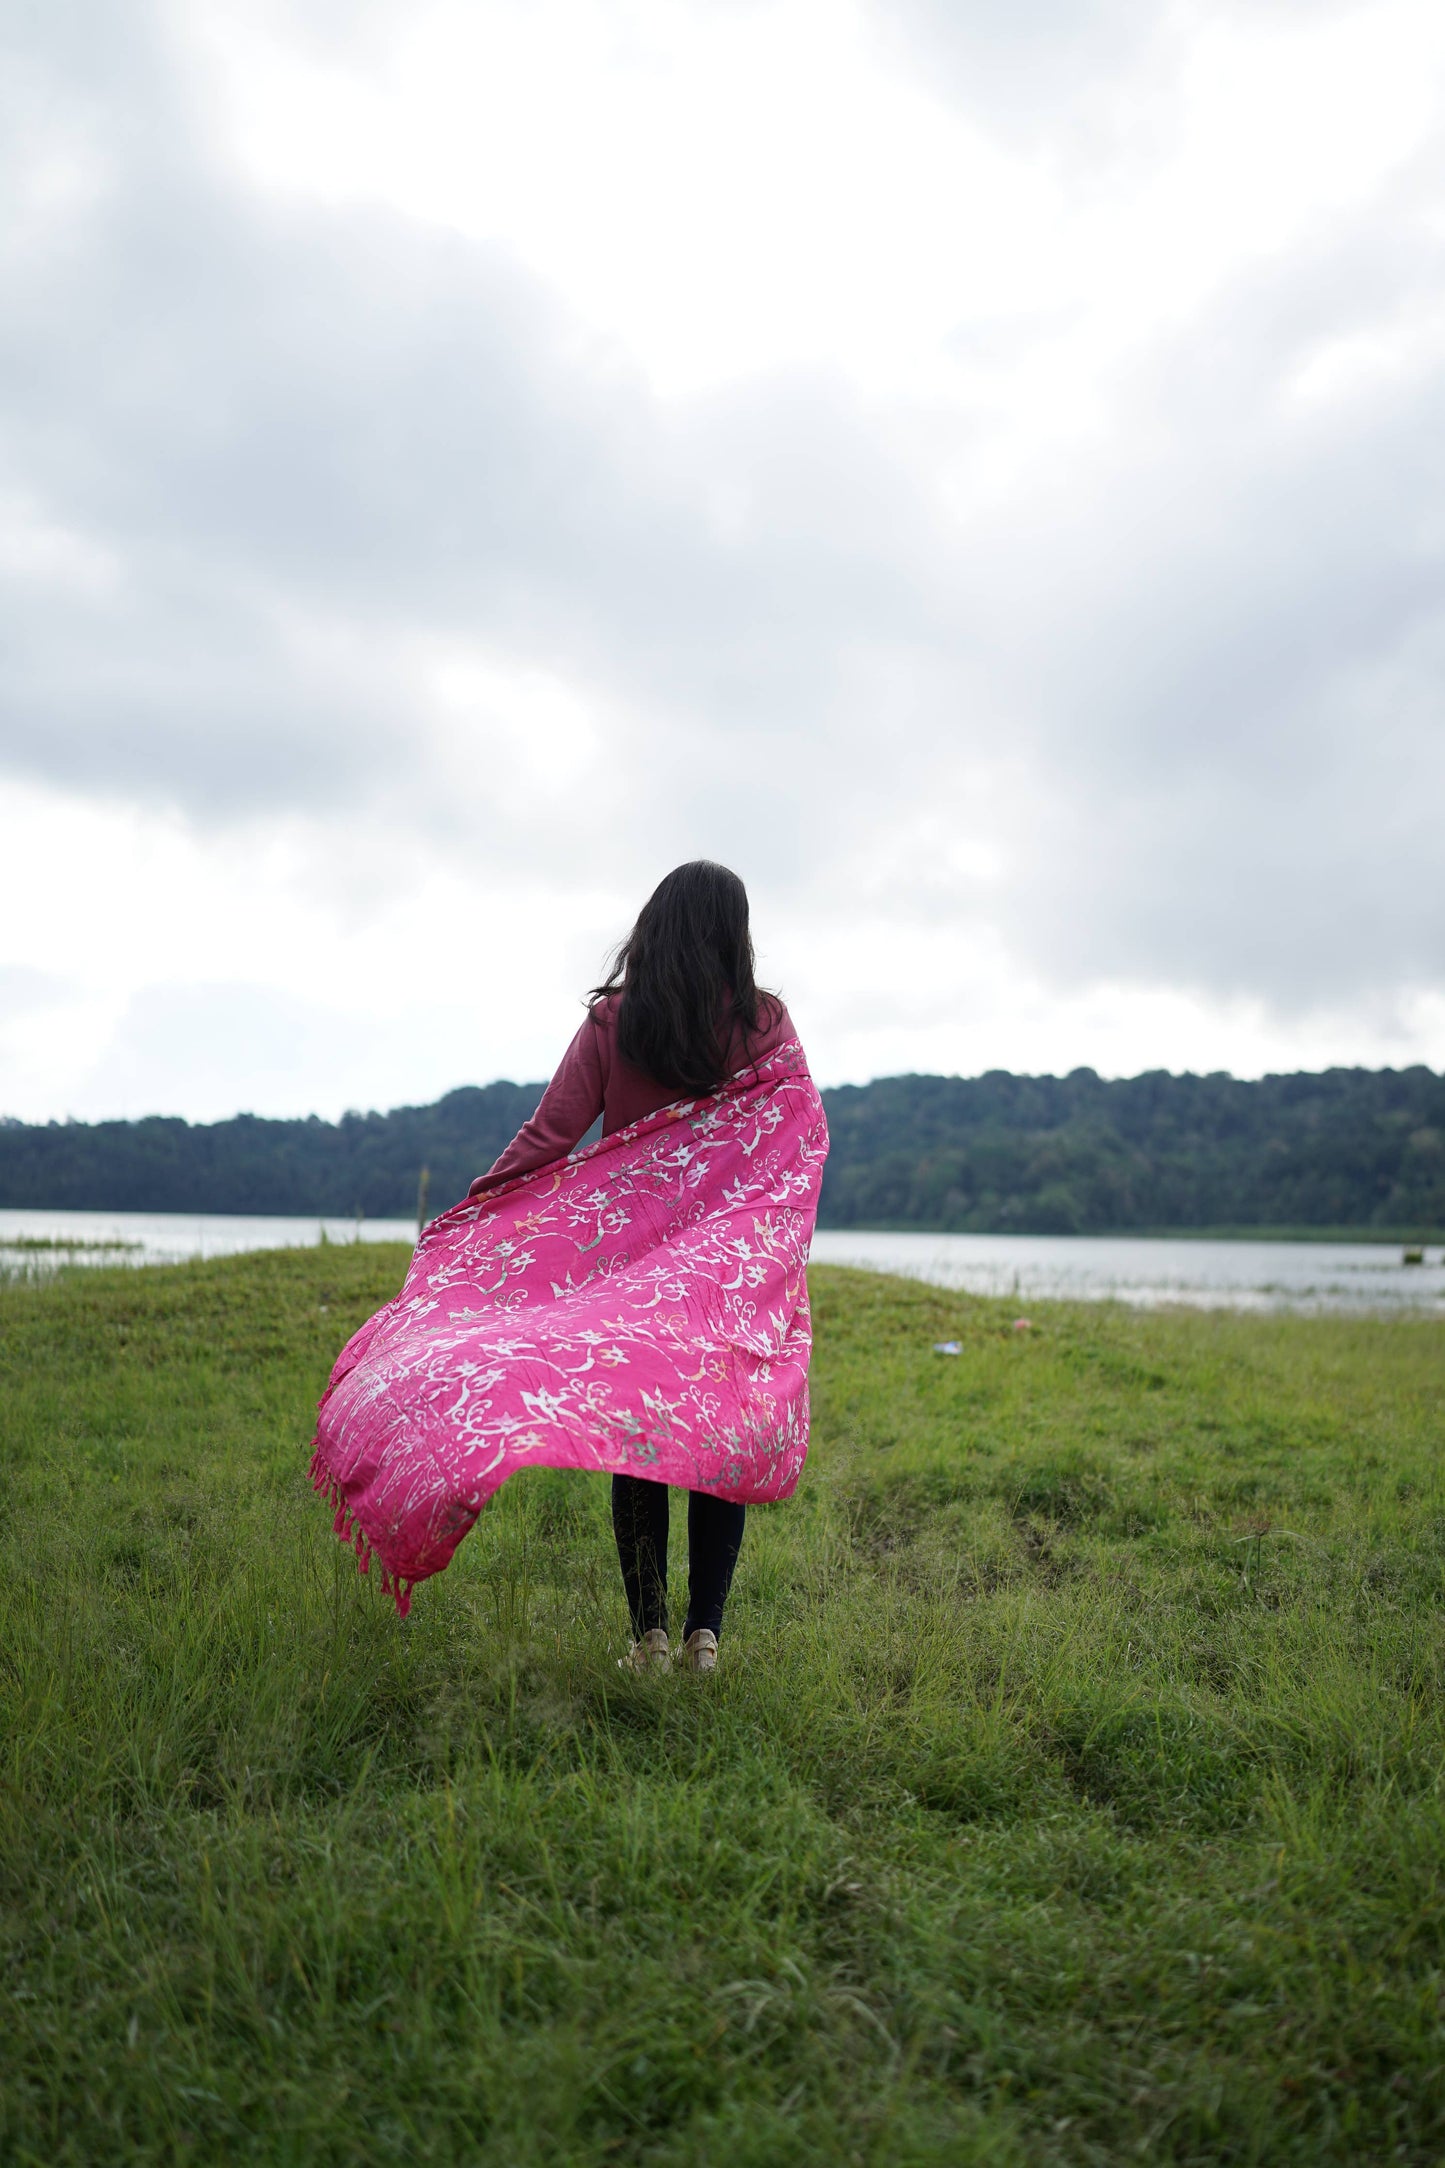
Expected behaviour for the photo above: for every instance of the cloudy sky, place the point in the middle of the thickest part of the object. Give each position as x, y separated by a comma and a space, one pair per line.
973, 465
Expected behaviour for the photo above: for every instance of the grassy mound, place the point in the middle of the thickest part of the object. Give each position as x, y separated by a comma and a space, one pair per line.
1071, 1789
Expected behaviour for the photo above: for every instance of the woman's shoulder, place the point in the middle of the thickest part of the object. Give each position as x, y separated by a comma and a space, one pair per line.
774, 1026
601, 1029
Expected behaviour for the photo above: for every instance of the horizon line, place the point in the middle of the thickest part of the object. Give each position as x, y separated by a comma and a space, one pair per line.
901, 1076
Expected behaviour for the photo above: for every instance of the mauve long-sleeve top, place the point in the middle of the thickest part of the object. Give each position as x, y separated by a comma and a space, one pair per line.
594, 1077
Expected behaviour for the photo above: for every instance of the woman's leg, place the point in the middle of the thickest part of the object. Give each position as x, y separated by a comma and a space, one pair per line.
714, 1538
639, 1522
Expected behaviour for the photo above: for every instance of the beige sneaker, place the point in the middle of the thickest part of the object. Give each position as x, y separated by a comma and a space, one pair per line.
699, 1651
649, 1654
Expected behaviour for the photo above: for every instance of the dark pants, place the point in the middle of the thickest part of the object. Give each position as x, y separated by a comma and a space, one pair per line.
714, 1537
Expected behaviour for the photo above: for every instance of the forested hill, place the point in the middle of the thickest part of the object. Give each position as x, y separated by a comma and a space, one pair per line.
1079, 1154
1074, 1154
366, 1163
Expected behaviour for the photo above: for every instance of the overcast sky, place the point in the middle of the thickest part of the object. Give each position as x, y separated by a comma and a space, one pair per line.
975, 466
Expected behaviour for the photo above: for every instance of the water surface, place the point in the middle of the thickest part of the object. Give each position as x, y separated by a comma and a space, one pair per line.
170, 1238
1151, 1270
1340, 1276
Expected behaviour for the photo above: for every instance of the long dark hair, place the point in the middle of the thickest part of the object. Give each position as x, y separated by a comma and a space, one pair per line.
685, 974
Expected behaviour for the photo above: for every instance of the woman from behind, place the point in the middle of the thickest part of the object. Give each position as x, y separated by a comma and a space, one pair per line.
679, 1014
637, 1305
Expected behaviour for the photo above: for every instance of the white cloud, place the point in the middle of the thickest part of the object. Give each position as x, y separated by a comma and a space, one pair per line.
723, 190
977, 470
275, 965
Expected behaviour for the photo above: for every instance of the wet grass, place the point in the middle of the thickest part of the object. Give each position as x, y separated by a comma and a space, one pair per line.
1071, 1790
67, 1245
33, 1258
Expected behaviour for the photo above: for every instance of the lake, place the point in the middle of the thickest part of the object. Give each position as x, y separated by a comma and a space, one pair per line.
1338, 1276
171, 1238
1150, 1270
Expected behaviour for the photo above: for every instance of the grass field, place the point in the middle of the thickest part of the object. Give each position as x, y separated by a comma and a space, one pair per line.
1071, 1790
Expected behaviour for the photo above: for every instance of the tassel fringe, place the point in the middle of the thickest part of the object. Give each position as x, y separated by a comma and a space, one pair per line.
348, 1530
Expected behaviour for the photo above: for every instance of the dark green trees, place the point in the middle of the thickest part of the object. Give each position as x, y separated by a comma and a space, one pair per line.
1046, 1155
1077, 1154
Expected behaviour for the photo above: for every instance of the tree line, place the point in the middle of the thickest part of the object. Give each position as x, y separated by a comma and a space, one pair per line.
1047, 1155
1081, 1154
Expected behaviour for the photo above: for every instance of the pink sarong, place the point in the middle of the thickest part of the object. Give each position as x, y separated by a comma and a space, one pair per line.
641, 1305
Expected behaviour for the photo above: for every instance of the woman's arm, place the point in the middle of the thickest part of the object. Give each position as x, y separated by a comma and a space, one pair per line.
568, 1108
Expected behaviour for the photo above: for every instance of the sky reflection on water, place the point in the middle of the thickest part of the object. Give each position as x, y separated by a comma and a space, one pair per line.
1149, 1270
1336, 1276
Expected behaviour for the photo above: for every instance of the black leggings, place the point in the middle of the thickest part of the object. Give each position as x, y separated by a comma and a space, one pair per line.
714, 1537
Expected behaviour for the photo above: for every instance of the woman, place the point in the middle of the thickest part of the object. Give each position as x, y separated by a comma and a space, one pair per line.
639, 1305
679, 1013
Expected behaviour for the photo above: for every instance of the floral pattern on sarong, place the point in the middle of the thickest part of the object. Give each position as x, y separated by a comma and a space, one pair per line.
641, 1305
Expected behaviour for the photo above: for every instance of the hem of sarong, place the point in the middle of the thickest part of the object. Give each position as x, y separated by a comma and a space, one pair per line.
348, 1528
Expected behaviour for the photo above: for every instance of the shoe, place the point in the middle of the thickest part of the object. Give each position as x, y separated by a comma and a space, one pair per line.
648, 1654
699, 1651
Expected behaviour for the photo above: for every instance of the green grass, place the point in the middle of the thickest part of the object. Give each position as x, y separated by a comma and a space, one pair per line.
67, 1245
1071, 1790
